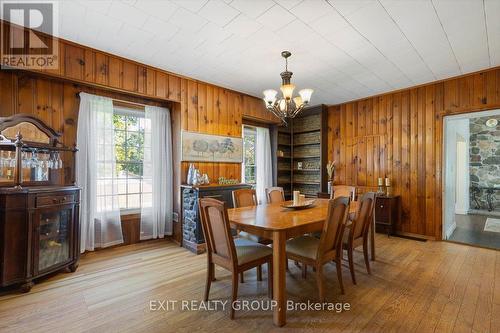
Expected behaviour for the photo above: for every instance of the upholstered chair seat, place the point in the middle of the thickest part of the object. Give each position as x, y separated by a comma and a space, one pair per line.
248, 251
304, 246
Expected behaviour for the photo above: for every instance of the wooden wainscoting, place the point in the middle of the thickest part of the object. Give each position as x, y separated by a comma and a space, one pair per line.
399, 135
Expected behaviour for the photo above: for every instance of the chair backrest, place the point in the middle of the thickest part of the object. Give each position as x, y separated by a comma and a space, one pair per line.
343, 191
217, 232
333, 229
275, 194
244, 198
364, 215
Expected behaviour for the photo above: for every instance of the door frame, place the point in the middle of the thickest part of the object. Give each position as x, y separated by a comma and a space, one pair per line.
445, 119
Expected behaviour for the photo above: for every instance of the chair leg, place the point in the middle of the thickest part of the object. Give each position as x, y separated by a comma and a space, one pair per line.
210, 274
338, 263
259, 273
351, 264
365, 254
242, 280
234, 294
304, 271
319, 281
270, 279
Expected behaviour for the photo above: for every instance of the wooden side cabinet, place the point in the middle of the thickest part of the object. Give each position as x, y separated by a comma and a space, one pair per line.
387, 213
39, 233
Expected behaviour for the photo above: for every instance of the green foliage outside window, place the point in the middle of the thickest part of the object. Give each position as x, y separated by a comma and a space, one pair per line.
249, 137
129, 145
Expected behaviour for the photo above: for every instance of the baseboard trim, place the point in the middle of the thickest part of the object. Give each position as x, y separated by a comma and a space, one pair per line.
450, 229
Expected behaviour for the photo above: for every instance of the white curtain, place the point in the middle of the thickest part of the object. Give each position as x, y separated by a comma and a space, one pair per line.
263, 162
157, 209
100, 223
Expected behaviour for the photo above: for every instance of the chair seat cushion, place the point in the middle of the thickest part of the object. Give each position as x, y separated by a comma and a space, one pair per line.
304, 246
248, 251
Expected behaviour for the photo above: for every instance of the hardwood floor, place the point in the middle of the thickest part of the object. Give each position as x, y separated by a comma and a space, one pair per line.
414, 287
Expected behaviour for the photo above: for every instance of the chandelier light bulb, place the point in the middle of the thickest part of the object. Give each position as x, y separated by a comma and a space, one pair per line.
270, 96
306, 95
287, 90
298, 101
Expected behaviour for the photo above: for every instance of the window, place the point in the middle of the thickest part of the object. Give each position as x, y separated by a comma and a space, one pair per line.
129, 127
249, 168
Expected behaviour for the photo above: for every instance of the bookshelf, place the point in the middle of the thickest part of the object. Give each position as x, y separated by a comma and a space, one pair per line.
309, 151
300, 153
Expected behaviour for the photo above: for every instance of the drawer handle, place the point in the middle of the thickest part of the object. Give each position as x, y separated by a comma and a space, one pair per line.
381, 206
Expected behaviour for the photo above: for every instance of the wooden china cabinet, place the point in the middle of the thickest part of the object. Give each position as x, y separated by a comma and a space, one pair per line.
39, 227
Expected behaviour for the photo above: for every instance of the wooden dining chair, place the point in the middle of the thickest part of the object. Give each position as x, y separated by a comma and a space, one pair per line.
315, 252
343, 191
235, 255
245, 198
356, 233
275, 194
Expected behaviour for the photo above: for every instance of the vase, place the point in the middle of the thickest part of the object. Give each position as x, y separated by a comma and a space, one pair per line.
330, 187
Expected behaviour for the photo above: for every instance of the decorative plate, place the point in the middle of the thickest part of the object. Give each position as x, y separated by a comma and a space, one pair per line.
303, 205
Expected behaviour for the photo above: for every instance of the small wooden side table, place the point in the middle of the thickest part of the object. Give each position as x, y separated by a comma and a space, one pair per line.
387, 213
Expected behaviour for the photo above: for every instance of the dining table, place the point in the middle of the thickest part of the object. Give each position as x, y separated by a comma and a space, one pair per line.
273, 221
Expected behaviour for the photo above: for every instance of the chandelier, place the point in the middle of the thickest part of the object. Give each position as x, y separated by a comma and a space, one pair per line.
287, 106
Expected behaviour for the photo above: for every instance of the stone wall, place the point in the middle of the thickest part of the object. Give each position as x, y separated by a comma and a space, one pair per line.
485, 160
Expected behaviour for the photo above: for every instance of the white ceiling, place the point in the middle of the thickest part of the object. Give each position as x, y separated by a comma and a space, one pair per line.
343, 49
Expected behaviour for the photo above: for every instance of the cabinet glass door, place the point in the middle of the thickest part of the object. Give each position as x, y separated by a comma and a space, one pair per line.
54, 238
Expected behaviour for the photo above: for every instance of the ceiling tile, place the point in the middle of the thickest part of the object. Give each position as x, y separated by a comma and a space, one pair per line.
252, 9
492, 8
191, 5
288, 4
347, 7
159, 8
218, 12
329, 24
347, 39
276, 18
185, 19
464, 24
155, 26
122, 11
310, 10
96, 6
295, 31
243, 26
213, 33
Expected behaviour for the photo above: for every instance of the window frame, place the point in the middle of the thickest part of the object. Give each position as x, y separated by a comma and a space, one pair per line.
246, 129
128, 112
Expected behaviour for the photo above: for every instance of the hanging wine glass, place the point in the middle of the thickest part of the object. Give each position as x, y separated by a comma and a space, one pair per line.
50, 160
12, 159
59, 161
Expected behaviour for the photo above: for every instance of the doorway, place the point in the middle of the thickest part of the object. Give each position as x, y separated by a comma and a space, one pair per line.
471, 198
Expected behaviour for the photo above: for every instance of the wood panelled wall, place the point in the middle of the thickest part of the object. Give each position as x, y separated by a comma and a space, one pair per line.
195, 105
400, 136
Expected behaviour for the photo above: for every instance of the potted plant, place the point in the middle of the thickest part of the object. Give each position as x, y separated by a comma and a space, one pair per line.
330, 169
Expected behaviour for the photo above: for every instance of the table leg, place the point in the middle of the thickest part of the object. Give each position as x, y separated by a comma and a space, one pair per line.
372, 240
279, 277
